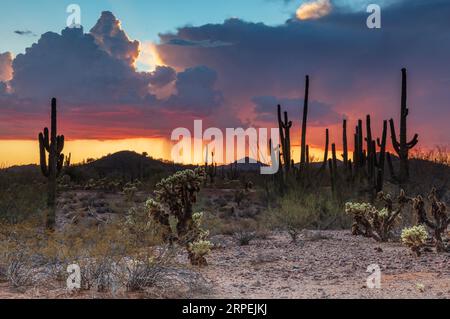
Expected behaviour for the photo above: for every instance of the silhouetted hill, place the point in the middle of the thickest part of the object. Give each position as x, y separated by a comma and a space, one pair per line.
125, 165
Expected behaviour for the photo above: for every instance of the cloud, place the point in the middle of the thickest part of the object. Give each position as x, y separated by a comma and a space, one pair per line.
98, 87
110, 37
5, 66
162, 76
73, 66
201, 44
2, 88
320, 114
352, 68
195, 91
25, 33
314, 9
354, 71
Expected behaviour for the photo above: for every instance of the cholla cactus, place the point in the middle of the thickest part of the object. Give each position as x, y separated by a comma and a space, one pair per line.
200, 249
372, 222
440, 219
174, 198
415, 238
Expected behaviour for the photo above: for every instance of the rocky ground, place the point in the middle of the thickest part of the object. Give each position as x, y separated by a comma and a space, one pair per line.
325, 265
330, 264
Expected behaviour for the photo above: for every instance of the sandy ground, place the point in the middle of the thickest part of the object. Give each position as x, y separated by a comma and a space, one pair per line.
325, 265
329, 264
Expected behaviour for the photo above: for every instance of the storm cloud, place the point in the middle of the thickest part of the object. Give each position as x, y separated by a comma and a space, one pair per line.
94, 77
237, 72
354, 69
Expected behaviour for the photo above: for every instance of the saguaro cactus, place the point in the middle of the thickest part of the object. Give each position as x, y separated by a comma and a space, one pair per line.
403, 147
53, 144
325, 152
345, 144
380, 163
304, 123
285, 137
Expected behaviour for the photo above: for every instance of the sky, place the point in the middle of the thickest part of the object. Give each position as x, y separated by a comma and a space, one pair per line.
137, 70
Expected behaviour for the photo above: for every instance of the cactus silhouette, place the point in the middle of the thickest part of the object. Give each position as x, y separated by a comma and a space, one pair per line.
402, 146
345, 143
285, 138
304, 123
53, 145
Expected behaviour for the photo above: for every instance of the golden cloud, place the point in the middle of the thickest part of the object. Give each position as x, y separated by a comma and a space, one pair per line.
314, 9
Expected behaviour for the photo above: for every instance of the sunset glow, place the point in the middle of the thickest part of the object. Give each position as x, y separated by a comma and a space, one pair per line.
22, 152
129, 77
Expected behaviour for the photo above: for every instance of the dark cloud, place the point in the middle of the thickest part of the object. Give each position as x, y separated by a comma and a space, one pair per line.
25, 33
201, 44
2, 88
162, 76
94, 78
353, 68
319, 114
195, 91
111, 38
73, 66
96, 70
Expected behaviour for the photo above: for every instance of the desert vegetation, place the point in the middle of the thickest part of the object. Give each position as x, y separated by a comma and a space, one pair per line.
137, 226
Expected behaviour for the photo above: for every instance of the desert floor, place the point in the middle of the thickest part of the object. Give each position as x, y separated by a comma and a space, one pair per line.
324, 265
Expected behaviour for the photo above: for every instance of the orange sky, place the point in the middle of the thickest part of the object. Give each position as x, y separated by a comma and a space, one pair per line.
23, 152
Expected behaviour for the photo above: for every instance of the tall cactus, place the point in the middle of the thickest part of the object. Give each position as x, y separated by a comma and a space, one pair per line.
345, 144
380, 162
325, 151
285, 138
403, 147
53, 144
371, 151
304, 124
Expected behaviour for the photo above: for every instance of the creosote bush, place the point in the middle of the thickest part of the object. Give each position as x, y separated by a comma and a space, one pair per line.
244, 237
309, 211
415, 238
29, 255
172, 209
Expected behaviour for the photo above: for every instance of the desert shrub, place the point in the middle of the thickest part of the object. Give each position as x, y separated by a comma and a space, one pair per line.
244, 237
19, 202
309, 210
18, 270
415, 238
130, 189
29, 255
173, 202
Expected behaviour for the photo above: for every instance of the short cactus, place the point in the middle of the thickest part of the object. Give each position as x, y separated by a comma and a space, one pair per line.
415, 238
174, 198
440, 219
376, 223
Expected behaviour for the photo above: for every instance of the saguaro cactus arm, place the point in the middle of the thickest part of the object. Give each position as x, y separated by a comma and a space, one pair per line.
43, 160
